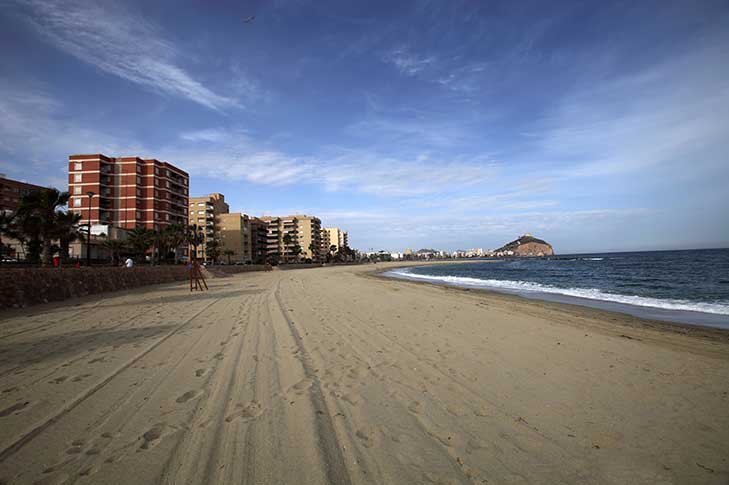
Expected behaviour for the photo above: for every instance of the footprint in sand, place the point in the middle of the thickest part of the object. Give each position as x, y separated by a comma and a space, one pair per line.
245, 411
415, 407
200, 372
56, 479
456, 410
81, 377
15, 407
186, 397
58, 380
302, 385
351, 399
100, 359
150, 437
74, 450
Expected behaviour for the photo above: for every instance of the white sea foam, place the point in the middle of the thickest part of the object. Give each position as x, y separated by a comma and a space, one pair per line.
589, 293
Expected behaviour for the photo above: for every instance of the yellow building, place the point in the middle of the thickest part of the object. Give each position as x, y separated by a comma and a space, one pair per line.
293, 238
333, 236
242, 238
204, 212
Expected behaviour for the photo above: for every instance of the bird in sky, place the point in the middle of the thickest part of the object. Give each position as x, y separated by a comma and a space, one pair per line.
249, 19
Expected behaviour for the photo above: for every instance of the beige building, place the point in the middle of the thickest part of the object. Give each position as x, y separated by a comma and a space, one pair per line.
205, 212
333, 236
242, 238
287, 234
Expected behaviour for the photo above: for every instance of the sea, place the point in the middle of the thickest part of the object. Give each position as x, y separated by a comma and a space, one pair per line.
689, 286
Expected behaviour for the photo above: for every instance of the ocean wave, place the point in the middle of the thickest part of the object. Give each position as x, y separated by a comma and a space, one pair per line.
588, 293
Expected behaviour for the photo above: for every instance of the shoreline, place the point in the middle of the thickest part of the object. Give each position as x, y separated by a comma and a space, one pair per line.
615, 317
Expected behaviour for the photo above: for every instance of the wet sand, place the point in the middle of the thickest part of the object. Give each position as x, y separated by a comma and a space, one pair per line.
333, 375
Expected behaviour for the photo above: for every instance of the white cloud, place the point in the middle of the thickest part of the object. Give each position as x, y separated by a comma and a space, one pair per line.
407, 62
121, 43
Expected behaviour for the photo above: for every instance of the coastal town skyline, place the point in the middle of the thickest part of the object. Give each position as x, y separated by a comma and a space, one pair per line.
464, 134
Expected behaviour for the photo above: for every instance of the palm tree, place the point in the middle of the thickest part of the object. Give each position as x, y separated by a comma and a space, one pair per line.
42, 207
229, 253
67, 231
195, 235
172, 237
115, 246
141, 239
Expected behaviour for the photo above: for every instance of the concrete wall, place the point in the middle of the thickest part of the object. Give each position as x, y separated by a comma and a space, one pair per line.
21, 287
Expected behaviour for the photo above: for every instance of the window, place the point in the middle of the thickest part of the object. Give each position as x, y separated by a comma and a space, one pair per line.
77, 202
167, 217
77, 177
77, 190
139, 192
78, 166
156, 170
168, 184
139, 215
139, 180
139, 169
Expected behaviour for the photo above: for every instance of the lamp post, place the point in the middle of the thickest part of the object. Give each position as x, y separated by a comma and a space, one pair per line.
88, 235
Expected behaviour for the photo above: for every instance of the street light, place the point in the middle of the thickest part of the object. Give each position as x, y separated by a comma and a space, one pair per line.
88, 235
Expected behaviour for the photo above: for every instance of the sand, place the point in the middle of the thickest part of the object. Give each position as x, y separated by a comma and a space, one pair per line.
333, 375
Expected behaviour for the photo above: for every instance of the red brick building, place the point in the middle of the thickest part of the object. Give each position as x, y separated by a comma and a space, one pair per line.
11, 191
128, 192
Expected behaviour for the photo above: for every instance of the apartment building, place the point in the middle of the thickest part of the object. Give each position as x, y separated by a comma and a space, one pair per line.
205, 213
333, 236
127, 192
244, 236
286, 235
11, 191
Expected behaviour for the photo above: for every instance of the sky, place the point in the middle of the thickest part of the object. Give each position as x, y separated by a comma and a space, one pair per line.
597, 126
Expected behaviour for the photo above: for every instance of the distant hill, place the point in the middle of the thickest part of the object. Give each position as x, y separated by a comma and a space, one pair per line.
425, 251
526, 245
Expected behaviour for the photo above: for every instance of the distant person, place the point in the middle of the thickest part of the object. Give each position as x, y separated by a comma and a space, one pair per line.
129, 263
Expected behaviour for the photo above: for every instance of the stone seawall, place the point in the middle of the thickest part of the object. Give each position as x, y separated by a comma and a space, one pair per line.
21, 287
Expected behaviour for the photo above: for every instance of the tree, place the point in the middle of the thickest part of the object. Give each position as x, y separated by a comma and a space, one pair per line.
6, 228
140, 240
115, 246
172, 238
213, 249
39, 213
229, 253
67, 231
296, 251
287, 240
313, 248
195, 236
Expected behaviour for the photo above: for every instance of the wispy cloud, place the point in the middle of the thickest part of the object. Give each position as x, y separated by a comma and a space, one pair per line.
659, 117
408, 62
119, 42
333, 169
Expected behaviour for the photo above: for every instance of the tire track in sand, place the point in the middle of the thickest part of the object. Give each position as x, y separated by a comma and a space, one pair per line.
336, 469
19, 443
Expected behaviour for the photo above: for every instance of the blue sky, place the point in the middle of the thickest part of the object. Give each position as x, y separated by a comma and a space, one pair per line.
595, 125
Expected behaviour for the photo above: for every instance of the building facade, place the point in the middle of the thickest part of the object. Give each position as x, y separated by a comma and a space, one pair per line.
205, 213
293, 238
127, 192
243, 238
11, 191
333, 236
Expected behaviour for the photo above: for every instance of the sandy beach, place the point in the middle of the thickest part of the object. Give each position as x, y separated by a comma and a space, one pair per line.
335, 375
